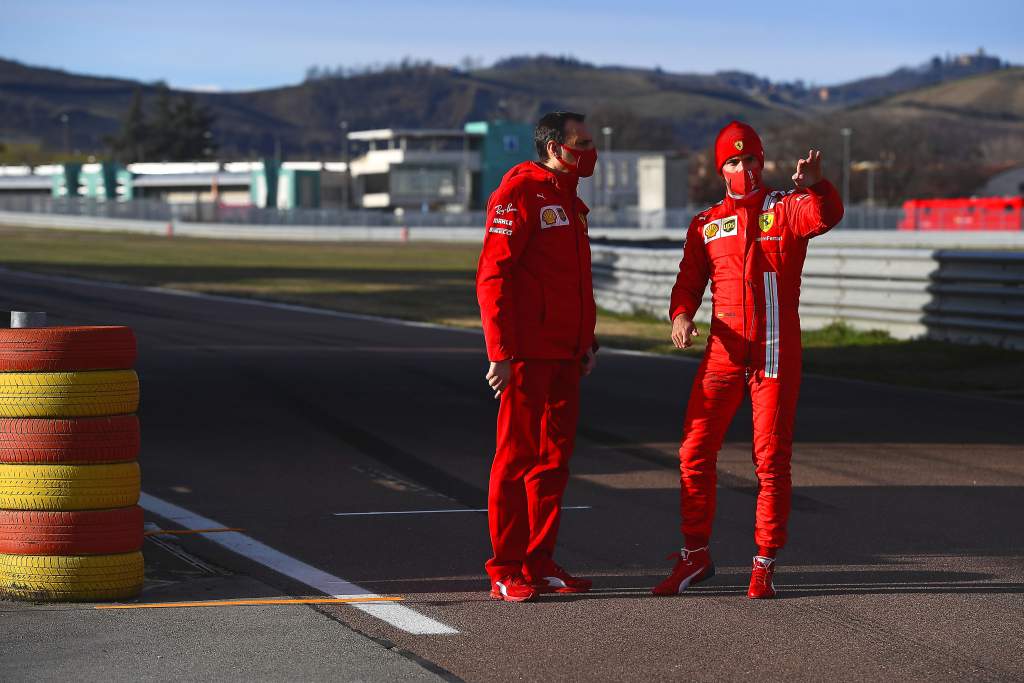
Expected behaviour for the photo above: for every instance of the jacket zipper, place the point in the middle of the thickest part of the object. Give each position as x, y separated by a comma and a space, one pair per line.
743, 294
579, 273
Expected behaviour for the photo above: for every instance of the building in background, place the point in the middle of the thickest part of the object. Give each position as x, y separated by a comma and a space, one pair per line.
636, 187
29, 181
399, 171
502, 144
422, 169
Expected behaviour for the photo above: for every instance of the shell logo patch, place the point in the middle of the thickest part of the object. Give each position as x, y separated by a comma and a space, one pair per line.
766, 221
553, 216
723, 227
738, 145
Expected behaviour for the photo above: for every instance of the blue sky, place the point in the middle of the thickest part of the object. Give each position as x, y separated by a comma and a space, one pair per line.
261, 43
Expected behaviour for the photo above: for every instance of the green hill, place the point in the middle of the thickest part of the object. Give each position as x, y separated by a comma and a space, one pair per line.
966, 121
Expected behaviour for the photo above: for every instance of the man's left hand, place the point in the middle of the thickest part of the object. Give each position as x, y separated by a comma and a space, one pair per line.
589, 362
808, 171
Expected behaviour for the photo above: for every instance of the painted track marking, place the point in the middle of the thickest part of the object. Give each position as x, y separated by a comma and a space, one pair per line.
240, 603
434, 512
399, 616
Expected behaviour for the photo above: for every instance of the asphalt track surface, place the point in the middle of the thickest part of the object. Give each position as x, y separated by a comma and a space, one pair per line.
906, 558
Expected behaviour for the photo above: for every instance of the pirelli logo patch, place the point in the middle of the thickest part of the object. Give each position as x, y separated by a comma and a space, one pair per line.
723, 227
553, 216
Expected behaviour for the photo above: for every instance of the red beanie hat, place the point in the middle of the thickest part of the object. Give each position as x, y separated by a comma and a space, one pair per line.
736, 138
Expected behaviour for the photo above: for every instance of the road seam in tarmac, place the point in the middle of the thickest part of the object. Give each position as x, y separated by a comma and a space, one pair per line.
399, 616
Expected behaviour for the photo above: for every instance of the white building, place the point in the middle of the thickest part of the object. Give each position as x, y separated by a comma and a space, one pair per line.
415, 169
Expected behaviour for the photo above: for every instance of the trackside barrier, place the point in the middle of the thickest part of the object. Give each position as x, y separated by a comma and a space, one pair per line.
972, 297
70, 524
908, 283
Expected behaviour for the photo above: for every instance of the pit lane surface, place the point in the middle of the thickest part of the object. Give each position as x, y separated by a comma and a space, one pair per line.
907, 538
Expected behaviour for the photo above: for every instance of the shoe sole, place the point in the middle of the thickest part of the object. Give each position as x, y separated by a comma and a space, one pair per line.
763, 597
692, 582
505, 598
548, 590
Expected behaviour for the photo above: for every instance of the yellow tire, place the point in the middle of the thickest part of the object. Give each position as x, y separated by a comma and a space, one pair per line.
70, 577
68, 394
69, 487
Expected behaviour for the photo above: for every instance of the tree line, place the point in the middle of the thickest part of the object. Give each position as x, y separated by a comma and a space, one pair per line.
176, 129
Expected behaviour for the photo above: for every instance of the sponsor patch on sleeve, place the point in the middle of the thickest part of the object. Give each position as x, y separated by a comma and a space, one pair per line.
553, 216
500, 231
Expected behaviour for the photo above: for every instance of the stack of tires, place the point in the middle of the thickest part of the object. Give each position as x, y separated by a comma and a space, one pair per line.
70, 525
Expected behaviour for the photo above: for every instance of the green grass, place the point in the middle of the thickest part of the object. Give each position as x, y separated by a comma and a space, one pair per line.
434, 282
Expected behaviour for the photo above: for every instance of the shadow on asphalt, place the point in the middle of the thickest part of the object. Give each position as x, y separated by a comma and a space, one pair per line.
789, 584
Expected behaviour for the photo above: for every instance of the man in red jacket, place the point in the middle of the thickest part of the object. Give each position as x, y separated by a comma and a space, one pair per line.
751, 245
537, 305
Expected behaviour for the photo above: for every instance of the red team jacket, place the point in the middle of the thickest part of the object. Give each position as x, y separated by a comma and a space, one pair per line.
533, 280
753, 251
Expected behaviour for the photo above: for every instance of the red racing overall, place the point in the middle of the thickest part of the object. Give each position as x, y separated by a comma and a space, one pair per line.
752, 250
537, 306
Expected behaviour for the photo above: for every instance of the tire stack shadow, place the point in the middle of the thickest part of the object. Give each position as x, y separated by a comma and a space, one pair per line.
70, 525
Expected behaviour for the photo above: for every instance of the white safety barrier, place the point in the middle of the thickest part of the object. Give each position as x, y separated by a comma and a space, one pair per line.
943, 293
962, 286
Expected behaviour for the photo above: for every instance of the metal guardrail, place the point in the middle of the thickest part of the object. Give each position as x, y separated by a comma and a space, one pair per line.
960, 286
963, 296
672, 220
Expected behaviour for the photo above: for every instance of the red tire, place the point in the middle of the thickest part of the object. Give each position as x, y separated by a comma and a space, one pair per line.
53, 349
86, 440
86, 532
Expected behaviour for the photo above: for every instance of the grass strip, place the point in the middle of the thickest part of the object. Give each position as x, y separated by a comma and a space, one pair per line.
434, 282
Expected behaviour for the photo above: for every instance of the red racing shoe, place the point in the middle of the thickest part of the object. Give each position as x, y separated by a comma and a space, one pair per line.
692, 566
513, 589
557, 580
762, 585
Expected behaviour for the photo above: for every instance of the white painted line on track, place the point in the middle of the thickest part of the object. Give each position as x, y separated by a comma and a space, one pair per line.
399, 616
435, 512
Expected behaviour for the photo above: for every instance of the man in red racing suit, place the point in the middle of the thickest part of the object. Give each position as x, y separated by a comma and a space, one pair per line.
537, 306
751, 245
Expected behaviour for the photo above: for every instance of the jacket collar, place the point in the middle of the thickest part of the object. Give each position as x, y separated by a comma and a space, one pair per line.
755, 198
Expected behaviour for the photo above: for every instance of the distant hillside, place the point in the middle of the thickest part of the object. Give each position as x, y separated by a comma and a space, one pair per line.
941, 140
664, 109
933, 72
951, 114
994, 97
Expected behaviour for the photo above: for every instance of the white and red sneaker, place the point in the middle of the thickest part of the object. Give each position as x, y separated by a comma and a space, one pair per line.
557, 580
692, 566
762, 584
513, 589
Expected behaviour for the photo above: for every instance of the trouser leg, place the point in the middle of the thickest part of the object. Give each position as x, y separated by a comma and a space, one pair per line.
546, 480
520, 416
714, 398
774, 407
